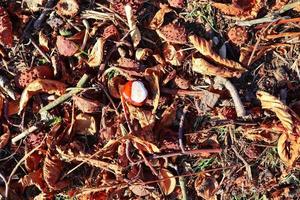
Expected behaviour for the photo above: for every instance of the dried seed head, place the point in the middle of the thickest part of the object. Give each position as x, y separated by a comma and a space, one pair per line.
173, 33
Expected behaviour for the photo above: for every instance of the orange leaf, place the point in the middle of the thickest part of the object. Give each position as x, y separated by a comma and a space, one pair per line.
205, 48
6, 32
169, 183
38, 86
288, 149
66, 47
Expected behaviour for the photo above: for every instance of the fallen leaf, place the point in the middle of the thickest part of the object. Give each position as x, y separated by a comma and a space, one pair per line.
34, 178
145, 117
33, 161
177, 3
152, 76
85, 124
52, 171
67, 8
172, 54
205, 186
40, 86
169, 183
238, 35
279, 4
5, 137
158, 18
6, 30
66, 47
205, 48
288, 149
275, 105
139, 190
173, 33
1, 105
86, 105
96, 55
35, 5
143, 53
143, 145
201, 66
43, 41
134, 31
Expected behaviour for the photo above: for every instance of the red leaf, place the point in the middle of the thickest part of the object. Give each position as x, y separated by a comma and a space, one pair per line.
6, 33
66, 47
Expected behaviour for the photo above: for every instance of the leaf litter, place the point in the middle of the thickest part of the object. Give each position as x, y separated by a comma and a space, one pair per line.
149, 99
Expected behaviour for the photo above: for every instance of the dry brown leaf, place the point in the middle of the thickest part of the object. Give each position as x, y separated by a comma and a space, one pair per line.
34, 178
66, 47
39, 86
177, 3
134, 31
240, 8
43, 41
238, 35
142, 53
172, 54
4, 138
145, 118
143, 145
52, 171
279, 4
173, 33
205, 48
201, 66
85, 124
275, 105
6, 31
96, 55
86, 105
288, 149
152, 76
205, 186
158, 18
1, 105
168, 185
70, 156
114, 86
33, 161
139, 190
67, 8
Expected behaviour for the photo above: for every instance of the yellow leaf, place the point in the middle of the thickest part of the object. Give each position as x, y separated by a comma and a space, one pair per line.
38, 86
205, 48
158, 18
200, 65
288, 149
96, 55
275, 105
169, 183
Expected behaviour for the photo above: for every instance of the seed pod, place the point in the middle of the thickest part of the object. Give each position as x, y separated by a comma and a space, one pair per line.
135, 93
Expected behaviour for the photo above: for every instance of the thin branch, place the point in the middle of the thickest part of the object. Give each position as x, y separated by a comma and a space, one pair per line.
248, 167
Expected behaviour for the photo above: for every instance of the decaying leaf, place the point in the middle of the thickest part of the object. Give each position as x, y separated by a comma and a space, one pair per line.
34, 178
96, 55
238, 35
139, 190
5, 136
85, 124
288, 149
152, 77
134, 31
177, 3
240, 8
145, 117
205, 48
67, 8
201, 66
44, 41
66, 47
1, 105
279, 4
86, 105
114, 84
172, 54
6, 31
40, 86
173, 33
205, 186
158, 19
143, 145
169, 183
275, 105
143, 53
52, 171
33, 161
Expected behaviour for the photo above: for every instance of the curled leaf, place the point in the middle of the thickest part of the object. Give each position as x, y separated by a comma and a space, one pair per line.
205, 48
44, 41
6, 31
96, 55
275, 105
169, 183
134, 31
86, 105
288, 149
158, 18
172, 54
38, 86
66, 47
200, 65
34, 178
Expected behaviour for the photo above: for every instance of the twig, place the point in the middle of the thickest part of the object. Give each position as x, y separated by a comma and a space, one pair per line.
40, 50
148, 163
86, 35
258, 21
66, 96
32, 129
181, 92
6, 185
180, 131
40, 20
248, 168
240, 110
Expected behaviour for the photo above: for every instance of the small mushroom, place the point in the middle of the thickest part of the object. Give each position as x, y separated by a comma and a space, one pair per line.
135, 93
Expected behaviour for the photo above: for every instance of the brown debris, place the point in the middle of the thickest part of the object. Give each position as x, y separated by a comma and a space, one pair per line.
173, 33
